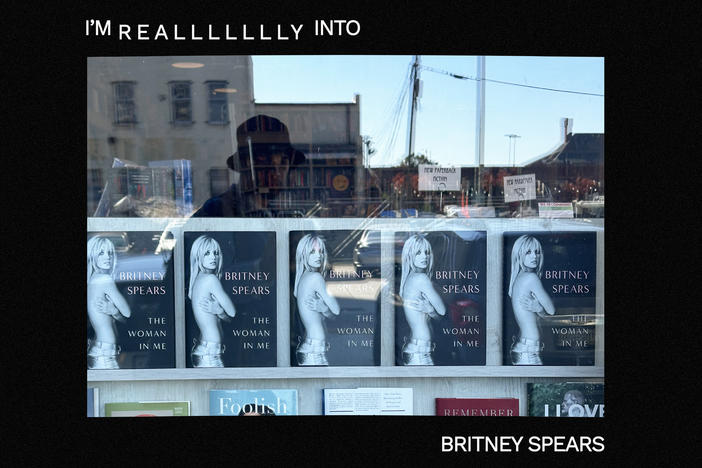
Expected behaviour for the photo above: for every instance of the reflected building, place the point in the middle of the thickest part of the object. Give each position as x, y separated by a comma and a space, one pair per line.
143, 111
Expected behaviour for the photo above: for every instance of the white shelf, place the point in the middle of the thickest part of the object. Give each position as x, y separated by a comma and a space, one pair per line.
248, 373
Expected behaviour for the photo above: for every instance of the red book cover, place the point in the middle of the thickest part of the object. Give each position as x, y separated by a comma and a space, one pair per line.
477, 407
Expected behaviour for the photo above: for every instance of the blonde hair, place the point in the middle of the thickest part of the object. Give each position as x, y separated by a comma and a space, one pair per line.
414, 244
197, 252
302, 255
521, 245
95, 244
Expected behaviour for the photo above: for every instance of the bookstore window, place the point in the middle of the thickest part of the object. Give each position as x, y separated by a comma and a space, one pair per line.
300, 146
181, 102
217, 112
125, 108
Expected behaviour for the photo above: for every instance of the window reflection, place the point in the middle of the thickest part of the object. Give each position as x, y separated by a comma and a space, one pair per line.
200, 139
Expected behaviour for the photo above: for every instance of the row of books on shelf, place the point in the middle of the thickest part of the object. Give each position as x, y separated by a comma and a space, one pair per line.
336, 180
243, 163
161, 189
562, 399
334, 294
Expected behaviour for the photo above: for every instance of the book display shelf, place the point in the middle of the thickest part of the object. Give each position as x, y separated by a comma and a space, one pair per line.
495, 378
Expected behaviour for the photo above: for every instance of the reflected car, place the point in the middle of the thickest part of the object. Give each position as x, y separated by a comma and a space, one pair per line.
367, 253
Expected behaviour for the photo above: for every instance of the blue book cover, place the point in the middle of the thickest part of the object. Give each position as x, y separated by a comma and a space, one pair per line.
93, 405
265, 402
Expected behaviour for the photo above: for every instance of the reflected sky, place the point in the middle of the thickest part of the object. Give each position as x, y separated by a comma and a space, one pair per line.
445, 128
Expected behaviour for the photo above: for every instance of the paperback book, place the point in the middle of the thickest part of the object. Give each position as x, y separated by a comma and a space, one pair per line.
477, 406
549, 315
265, 402
93, 402
566, 399
367, 401
334, 301
147, 408
230, 299
131, 315
440, 298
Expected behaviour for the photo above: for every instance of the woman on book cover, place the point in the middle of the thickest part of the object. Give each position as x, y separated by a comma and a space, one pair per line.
210, 302
105, 304
529, 300
420, 300
571, 398
314, 303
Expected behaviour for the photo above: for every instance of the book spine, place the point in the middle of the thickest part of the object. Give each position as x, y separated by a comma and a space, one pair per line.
187, 187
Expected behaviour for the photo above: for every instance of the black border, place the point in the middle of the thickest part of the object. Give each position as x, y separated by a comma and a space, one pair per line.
50, 43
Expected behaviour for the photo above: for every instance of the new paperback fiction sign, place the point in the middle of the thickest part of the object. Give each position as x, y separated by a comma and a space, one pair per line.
437, 178
520, 187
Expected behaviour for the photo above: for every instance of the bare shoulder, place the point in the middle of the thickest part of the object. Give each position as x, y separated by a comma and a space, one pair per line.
418, 281
208, 280
101, 279
529, 278
315, 278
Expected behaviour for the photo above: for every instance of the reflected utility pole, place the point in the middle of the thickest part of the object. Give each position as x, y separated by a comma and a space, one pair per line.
414, 78
480, 128
512, 151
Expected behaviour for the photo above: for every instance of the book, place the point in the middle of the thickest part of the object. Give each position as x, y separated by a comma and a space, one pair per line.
566, 399
230, 303
264, 402
367, 401
440, 298
334, 301
130, 303
477, 406
183, 183
93, 402
147, 408
549, 295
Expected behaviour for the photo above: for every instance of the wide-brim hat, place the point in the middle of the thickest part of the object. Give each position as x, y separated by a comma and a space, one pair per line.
267, 134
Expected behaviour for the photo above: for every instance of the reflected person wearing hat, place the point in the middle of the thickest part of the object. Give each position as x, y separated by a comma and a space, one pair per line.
261, 141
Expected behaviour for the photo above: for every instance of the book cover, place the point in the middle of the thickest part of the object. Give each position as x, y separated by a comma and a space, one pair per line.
230, 299
264, 402
440, 298
130, 303
367, 401
93, 402
334, 301
340, 182
477, 406
549, 298
566, 399
147, 408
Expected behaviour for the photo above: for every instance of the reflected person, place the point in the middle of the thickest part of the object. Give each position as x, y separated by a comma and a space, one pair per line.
210, 302
420, 300
529, 300
105, 304
263, 142
314, 303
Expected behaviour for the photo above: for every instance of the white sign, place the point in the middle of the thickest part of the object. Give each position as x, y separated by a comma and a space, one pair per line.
520, 187
555, 210
437, 178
